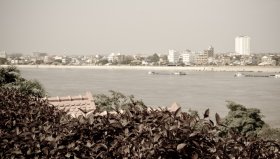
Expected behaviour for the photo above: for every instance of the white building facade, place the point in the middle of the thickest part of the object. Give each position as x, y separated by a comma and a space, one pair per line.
3, 54
187, 57
173, 56
242, 45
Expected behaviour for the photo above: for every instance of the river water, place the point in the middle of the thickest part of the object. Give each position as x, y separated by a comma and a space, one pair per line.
197, 90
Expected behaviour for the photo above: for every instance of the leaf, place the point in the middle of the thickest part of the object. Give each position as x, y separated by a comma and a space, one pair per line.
206, 113
141, 127
61, 147
17, 131
50, 138
211, 122
126, 150
193, 134
195, 156
45, 150
181, 146
29, 151
126, 131
90, 120
68, 155
98, 146
218, 119
88, 144
71, 145
177, 111
17, 152
46, 127
5, 141
157, 137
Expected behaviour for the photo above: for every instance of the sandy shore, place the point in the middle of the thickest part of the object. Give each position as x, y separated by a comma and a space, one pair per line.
149, 68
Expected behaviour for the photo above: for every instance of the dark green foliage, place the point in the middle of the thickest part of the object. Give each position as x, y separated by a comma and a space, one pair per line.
115, 101
153, 58
240, 119
10, 77
3, 61
269, 133
30, 128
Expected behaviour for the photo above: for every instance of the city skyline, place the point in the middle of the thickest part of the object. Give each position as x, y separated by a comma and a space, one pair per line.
92, 27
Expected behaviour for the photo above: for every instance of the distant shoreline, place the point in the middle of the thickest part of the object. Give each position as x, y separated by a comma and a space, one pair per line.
273, 69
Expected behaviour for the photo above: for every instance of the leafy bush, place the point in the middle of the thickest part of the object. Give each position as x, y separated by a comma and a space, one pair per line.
269, 133
10, 77
246, 121
115, 101
27, 126
30, 128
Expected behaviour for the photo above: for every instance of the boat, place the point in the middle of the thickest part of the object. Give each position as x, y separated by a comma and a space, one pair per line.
179, 73
238, 74
277, 76
152, 73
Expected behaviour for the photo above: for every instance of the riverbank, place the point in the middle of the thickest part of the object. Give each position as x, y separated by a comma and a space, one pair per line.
163, 68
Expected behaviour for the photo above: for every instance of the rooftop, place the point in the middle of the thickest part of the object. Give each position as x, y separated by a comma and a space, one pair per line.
76, 105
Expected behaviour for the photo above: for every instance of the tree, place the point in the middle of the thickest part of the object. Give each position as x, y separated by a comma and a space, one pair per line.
154, 58
246, 121
3, 61
115, 101
10, 77
126, 60
102, 61
269, 133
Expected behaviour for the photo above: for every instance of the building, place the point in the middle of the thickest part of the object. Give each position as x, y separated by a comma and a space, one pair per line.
173, 56
209, 51
75, 105
242, 45
39, 54
48, 59
201, 58
225, 60
111, 57
3, 54
186, 57
267, 61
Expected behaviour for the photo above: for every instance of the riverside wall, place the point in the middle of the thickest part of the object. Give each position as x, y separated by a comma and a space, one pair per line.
273, 69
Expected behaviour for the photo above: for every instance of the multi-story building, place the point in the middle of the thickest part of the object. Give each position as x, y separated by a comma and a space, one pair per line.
186, 57
3, 54
173, 56
201, 58
209, 51
39, 54
112, 57
242, 45
48, 59
226, 60
267, 60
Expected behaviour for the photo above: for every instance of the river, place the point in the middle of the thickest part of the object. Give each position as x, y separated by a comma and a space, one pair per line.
197, 90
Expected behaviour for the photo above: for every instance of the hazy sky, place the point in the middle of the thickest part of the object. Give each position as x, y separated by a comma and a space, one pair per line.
137, 26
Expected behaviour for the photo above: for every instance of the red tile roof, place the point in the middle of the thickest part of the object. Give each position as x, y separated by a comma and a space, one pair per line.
75, 104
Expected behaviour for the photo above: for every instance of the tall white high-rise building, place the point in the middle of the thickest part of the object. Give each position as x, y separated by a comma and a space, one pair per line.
173, 56
242, 45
